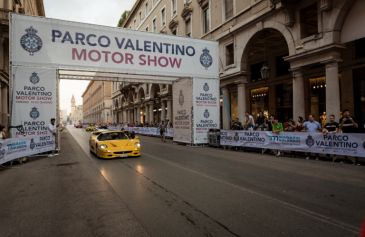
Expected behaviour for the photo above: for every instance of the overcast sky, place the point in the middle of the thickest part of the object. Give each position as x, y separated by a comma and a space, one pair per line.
100, 12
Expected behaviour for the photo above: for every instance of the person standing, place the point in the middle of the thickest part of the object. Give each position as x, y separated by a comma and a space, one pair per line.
162, 128
250, 122
52, 128
332, 126
347, 123
311, 125
261, 121
3, 134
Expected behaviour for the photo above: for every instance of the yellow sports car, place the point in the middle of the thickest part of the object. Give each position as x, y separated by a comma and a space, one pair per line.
90, 128
114, 144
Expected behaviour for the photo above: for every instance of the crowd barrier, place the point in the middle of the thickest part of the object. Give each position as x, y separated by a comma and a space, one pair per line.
14, 148
344, 144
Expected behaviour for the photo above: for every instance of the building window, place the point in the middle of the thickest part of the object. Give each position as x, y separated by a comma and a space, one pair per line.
146, 9
174, 31
188, 27
135, 23
173, 7
140, 16
154, 27
163, 17
206, 19
309, 20
147, 28
229, 54
228, 9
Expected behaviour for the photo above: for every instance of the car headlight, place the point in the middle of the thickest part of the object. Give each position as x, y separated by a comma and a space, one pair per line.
103, 146
137, 144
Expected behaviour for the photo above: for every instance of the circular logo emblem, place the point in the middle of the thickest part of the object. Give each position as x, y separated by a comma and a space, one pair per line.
181, 98
31, 42
206, 114
34, 78
32, 144
34, 113
206, 87
309, 141
206, 59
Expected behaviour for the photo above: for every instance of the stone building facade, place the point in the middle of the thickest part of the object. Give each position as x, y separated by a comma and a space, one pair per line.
287, 58
27, 7
97, 102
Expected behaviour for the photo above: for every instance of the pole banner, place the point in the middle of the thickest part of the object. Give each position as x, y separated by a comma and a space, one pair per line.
34, 101
347, 144
182, 91
206, 108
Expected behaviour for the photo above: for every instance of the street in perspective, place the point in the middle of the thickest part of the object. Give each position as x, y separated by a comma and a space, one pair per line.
182, 118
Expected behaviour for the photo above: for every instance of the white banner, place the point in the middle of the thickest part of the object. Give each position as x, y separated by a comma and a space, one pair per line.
182, 108
71, 45
337, 144
34, 100
206, 108
14, 148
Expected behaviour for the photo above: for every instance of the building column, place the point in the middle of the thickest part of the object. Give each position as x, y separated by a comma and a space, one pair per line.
332, 90
241, 101
298, 94
169, 110
151, 113
138, 114
163, 111
226, 113
146, 113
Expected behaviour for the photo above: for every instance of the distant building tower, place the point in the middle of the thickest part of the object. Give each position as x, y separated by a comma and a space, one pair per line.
76, 112
73, 104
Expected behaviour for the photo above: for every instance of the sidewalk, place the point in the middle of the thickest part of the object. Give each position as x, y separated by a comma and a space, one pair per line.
62, 196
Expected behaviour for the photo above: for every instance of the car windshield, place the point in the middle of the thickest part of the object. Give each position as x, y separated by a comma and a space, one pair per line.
112, 136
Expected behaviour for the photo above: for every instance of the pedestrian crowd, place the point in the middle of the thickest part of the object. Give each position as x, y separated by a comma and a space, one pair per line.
346, 124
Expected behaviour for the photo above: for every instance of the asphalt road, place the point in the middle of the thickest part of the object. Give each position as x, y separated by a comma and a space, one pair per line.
176, 190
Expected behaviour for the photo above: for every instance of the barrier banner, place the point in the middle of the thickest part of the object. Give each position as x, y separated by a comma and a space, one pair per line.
349, 144
14, 148
151, 131
34, 100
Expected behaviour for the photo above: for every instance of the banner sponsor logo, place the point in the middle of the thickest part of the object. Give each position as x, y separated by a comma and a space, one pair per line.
2, 151
34, 78
206, 59
34, 113
31, 42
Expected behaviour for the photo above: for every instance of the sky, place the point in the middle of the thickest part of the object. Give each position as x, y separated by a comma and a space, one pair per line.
100, 12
